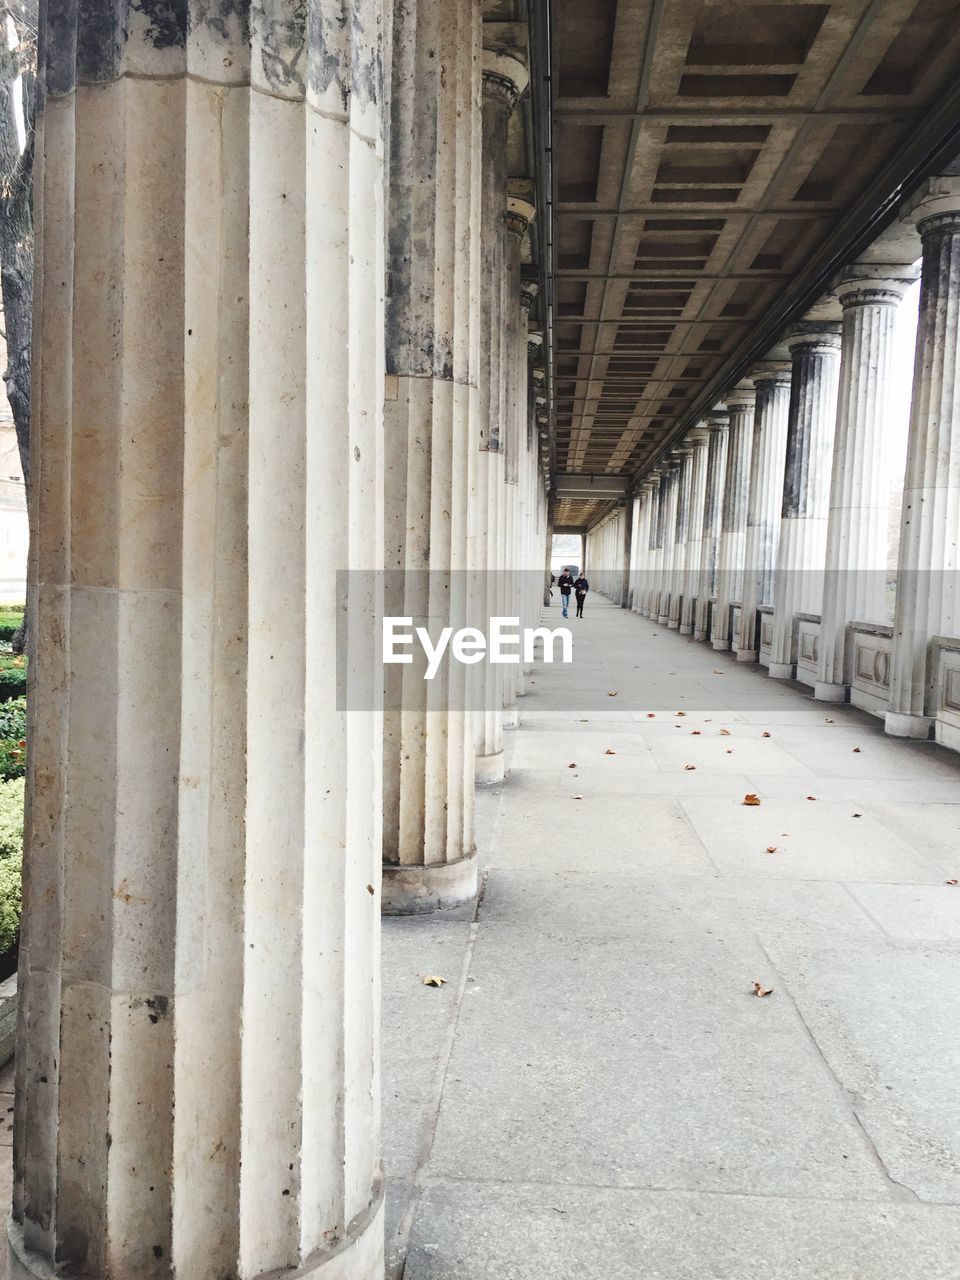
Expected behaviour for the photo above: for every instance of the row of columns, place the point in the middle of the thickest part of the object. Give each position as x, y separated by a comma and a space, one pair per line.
236, 428
778, 499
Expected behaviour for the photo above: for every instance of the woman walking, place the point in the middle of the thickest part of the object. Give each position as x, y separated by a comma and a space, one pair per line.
580, 588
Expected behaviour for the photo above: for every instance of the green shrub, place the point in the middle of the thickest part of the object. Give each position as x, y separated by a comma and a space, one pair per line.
13, 719
11, 820
11, 861
13, 758
13, 676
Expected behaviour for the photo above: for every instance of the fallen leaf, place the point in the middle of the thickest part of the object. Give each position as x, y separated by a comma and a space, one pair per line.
858, 815
811, 797
758, 990
572, 766
729, 751
433, 981
765, 734
695, 733
751, 798
689, 767
370, 888
725, 733
718, 673
578, 797
951, 882
856, 750
612, 695
828, 720
679, 713
609, 752
651, 715
771, 848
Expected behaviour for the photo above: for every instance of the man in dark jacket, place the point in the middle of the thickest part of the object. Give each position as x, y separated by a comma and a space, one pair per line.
581, 587
566, 586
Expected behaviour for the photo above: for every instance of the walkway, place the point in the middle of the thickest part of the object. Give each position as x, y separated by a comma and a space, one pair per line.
596, 1092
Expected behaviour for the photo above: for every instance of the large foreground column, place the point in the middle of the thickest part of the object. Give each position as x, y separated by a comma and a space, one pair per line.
197, 1078
856, 555
798, 585
428, 846
928, 593
740, 405
718, 424
504, 78
766, 495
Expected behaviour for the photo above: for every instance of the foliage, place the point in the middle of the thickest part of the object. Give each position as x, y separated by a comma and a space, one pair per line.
13, 719
11, 860
13, 676
11, 620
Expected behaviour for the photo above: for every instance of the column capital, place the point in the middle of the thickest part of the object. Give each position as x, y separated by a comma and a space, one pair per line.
520, 213
935, 203
505, 74
700, 435
811, 337
717, 420
775, 373
534, 343
528, 292
864, 284
742, 396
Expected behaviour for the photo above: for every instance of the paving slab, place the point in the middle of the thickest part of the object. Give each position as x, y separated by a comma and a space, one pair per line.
475, 1231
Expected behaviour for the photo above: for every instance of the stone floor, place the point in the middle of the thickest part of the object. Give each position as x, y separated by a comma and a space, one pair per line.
596, 1091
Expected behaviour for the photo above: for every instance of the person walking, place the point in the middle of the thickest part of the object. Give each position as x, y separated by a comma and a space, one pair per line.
580, 587
565, 584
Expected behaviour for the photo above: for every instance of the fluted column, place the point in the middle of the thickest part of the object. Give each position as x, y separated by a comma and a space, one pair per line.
516, 303
928, 590
504, 78
699, 438
856, 553
655, 480
627, 553
684, 457
718, 425
428, 845
772, 382
668, 538
733, 522
197, 1051
641, 543
798, 582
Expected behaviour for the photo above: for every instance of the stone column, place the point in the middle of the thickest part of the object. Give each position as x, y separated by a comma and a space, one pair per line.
684, 457
641, 545
798, 586
197, 1052
651, 589
736, 484
627, 553
718, 424
928, 592
856, 554
428, 845
516, 303
667, 536
699, 438
772, 382
504, 79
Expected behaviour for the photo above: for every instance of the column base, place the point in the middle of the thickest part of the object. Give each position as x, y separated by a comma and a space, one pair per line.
781, 670
511, 717
662, 619
490, 768
409, 891
830, 692
686, 629
720, 645
358, 1257
903, 726
700, 635
673, 625
746, 655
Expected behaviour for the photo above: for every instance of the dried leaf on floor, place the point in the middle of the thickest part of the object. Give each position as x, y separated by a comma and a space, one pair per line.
761, 991
695, 733
725, 733
856, 750
827, 720
951, 882
765, 734
572, 766
811, 797
614, 694
370, 889
578, 797
689, 767
751, 798
609, 752
772, 848
679, 713
717, 673
651, 715
433, 980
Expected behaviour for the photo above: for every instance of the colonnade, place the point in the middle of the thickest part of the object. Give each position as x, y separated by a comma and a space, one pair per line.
765, 529
237, 428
